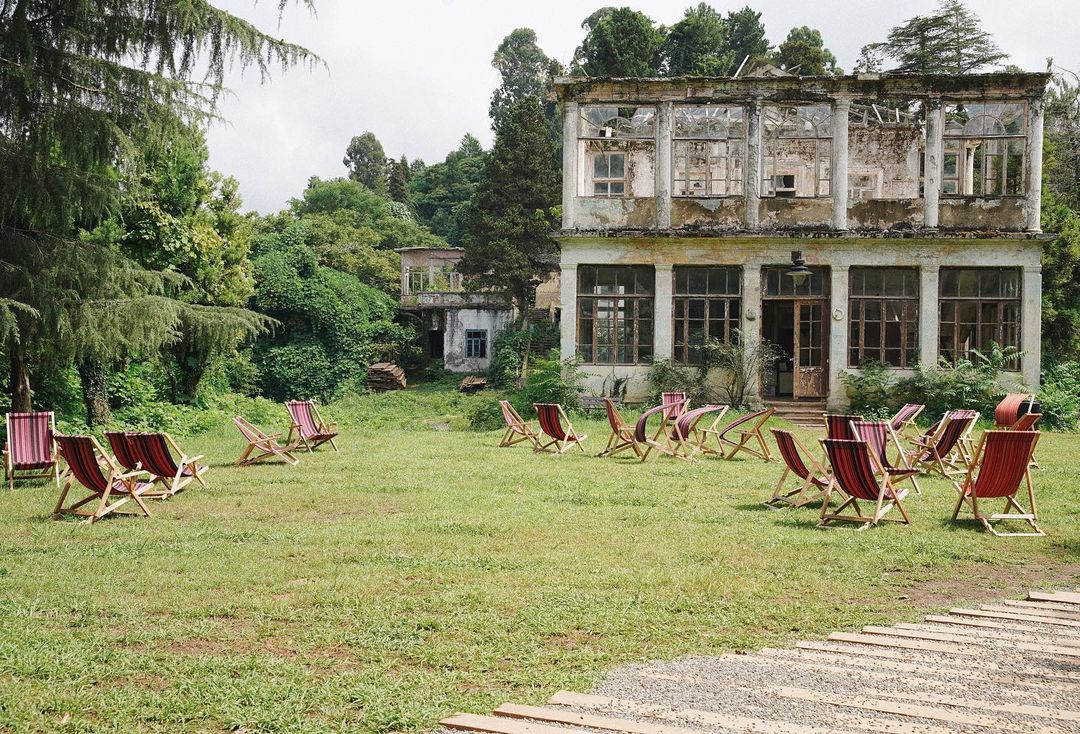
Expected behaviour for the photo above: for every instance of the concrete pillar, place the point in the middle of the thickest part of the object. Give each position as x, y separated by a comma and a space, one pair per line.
663, 313
1031, 325
928, 315
568, 322
665, 116
932, 164
837, 315
1033, 153
752, 169
569, 163
839, 162
750, 326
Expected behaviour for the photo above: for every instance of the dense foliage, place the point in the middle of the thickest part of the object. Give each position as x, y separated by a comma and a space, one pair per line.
440, 193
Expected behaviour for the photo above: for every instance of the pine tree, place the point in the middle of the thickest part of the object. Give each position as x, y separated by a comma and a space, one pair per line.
746, 37
947, 41
525, 71
397, 180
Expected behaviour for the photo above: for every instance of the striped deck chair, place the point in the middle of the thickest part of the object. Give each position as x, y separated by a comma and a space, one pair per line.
838, 425
262, 446
813, 477
153, 450
555, 424
622, 434
903, 423
123, 449
676, 402
660, 440
879, 435
90, 466
945, 451
1012, 408
856, 473
1001, 463
747, 428
686, 438
517, 429
30, 452
309, 426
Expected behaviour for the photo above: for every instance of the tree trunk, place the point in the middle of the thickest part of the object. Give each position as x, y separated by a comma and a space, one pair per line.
20, 380
92, 375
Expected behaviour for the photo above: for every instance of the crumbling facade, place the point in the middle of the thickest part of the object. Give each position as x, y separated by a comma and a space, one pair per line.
915, 201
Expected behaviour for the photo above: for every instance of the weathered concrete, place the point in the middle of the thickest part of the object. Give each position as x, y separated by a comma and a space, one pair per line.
837, 324
458, 322
928, 313
568, 324
569, 162
839, 160
664, 312
752, 164
935, 150
1031, 324
664, 124
1033, 157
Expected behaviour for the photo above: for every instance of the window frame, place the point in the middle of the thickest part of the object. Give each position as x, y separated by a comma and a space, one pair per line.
616, 306
605, 130
788, 117
909, 321
697, 126
474, 343
996, 322
729, 301
609, 180
988, 142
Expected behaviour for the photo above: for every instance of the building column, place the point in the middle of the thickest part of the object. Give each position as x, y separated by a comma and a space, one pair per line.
932, 163
837, 315
1031, 325
569, 162
839, 161
568, 321
663, 314
752, 167
928, 315
665, 115
750, 325
1033, 152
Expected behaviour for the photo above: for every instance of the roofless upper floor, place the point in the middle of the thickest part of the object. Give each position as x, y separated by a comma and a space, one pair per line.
869, 153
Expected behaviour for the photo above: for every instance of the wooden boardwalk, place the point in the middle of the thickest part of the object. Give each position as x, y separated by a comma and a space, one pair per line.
1005, 667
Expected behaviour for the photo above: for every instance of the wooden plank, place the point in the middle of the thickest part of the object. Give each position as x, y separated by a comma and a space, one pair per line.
592, 721
968, 640
888, 726
1059, 606
991, 614
1067, 596
1040, 712
919, 645
1024, 627
1048, 613
992, 636
499, 725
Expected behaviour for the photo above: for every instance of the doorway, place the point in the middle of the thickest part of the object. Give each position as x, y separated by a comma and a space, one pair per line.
794, 318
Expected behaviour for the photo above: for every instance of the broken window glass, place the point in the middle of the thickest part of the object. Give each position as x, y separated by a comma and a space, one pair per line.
617, 122
984, 149
708, 150
797, 151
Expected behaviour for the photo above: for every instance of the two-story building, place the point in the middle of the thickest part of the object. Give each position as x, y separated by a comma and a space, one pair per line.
914, 201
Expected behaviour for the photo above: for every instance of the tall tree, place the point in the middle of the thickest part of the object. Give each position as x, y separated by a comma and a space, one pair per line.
441, 192
366, 161
746, 37
803, 52
620, 42
509, 247
524, 71
950, 40
397, 180
698, 44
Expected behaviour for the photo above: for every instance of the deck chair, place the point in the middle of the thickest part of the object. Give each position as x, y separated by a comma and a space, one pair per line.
838, 425
811, 481
262, 446
123, 450
903, 423
517, 429
660, 440
30, 452
946, 450
622, 434
555, 424
686, 438
153, 451
676, 402
879, 435
856, 473
309, 426
1012, 408
1001, 463
97, 472
746, 428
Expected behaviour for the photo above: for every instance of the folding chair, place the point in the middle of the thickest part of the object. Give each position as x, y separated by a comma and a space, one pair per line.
660, 440
838, 425
856, 473
262, 446
879, 434
812, 477
153, 452
552, 418
112, 487
903, 423
309, 426
123, 450
30, 452
1002, 461
676, 402
517, 429
687, 439
622, 434
945, 451
745, 435
1012, 408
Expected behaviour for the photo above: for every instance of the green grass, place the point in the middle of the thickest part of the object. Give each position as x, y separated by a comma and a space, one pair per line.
421, 571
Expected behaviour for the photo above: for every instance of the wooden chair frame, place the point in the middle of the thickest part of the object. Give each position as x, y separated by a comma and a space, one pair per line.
756, 421
561, 445
817, 476
178, 480
265, 444
1019, 399
966, 486
653, 443
622, 434
957, 460
907, 428
517, 431
694, 442
887, 497
902, 471
115, 475
12, 474
327, 430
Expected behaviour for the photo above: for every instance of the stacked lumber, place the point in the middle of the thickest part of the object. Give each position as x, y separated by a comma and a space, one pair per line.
384, 376
472, 383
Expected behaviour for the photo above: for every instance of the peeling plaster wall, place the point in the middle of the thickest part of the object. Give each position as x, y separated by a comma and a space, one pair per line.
726, 213
782, 213
597, 213
987, 215
460, 320
640, 165
891, 154
886, 214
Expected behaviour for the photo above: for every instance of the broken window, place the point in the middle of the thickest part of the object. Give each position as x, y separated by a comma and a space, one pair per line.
609, 173
611, 137
984, 149
797, 151
885, 149
978, 307
708, 305
709, 144
884, 316
615, 314
476, 343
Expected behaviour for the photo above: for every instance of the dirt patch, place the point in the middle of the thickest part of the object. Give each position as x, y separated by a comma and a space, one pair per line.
984, 582
573, 640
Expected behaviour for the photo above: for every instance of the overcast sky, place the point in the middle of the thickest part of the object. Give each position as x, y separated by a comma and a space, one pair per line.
418, 73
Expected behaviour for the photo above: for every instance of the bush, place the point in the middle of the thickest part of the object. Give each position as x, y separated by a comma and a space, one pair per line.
1060, 396
485, 415
507, 357
552, 381
871, 390
666, 376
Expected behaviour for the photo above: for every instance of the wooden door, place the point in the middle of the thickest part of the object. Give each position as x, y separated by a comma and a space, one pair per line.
811, 349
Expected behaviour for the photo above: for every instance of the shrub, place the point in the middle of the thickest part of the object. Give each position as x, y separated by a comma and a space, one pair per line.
666, 376
740, 366
508, 354
485, 415
872, 389
1060, 396
552, 381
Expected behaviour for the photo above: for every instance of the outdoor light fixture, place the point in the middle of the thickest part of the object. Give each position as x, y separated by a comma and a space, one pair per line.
799, 272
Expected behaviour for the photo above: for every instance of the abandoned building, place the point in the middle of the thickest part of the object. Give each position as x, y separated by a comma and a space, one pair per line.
882, 217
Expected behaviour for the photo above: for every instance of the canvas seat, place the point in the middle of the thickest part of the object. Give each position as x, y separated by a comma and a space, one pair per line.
1002, 462
856, 473
838, 425
102, 477
903, 423
154, 451
810, 481
687, 438
660, 439
676, 402
1012, 408
945, 449
748, 436
555, 424
262, 446
881, 437
30, 452
308, 425
622, 434
517, 429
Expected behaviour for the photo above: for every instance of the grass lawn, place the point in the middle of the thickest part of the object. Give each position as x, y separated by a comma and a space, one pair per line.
421, 571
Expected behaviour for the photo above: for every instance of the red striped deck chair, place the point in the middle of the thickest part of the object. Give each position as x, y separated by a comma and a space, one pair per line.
517, 428
97, 472
903, 423
153, 450
555, 424
746, 429
945, 451
838, 425
856, 473
811, 481
687, 438
660, 440
262, 446
1012, 408
123, 450
309, 426
882, 438
676, 403
30, 452
1001, 464
622, 435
